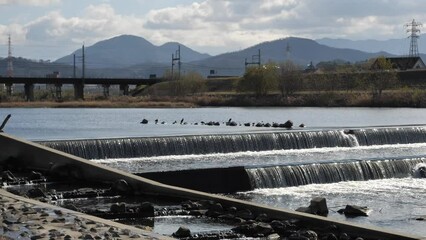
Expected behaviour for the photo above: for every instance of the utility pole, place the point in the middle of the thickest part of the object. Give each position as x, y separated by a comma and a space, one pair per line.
83, 64
255, 59
74, 68
414, 29
9, 58
176, 57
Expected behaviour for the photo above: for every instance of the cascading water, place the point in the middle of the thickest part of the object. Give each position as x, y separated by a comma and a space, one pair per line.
226, 143
295, 175
383, 136
160, 146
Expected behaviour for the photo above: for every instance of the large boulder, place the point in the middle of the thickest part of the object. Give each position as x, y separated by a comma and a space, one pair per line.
319, 206
354, 211
419, 171
288, 124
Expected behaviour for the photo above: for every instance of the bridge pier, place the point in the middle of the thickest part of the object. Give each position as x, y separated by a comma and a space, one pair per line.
29, 92
9, 89
79, 91
106, 90
124, 89
58, 92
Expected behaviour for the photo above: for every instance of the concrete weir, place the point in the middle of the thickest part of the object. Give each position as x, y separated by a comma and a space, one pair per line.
34, 156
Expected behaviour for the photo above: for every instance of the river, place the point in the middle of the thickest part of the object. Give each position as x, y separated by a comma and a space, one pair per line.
394, 202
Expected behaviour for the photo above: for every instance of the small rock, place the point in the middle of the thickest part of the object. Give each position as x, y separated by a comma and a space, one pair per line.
244, 214
118, 208
58, 212
7, 176
182, 232
273, 236
330, 236
36, 193
121, 186
263, 217
146, 209
134, 235
58, 220
35, 237
35, 176
344, 236
232, 209
88, 237
263, 229
217, 207
126, 232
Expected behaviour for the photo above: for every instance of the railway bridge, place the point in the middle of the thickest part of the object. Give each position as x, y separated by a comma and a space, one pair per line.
78, 83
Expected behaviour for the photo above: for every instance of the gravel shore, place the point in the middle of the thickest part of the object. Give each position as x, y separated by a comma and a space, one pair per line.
24, 218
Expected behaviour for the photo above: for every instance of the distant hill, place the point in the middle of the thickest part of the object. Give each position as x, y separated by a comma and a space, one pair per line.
393, 46
28, 68
127, 50
302, 51
132, 56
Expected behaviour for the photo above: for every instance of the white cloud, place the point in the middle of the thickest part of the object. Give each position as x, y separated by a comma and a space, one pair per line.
97, 22
226, 25
29, 2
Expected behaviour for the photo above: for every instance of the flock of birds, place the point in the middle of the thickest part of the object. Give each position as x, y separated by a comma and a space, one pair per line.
288, 124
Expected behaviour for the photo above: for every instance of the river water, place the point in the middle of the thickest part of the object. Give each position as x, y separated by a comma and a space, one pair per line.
394, 202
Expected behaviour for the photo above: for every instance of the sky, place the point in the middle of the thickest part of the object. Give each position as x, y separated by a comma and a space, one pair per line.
50, 29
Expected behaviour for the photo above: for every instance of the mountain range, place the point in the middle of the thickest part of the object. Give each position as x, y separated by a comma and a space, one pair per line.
133, 56
392, 46
128, 50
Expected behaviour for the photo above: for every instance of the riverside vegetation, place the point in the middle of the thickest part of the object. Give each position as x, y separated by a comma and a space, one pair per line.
331, 84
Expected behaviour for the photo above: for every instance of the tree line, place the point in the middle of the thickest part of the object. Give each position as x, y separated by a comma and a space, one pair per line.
289, 78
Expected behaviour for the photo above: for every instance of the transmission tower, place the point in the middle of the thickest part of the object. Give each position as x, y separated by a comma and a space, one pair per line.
288, 51
9, 58
414, 29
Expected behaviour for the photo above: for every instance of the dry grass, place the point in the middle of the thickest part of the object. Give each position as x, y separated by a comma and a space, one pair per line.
390, 98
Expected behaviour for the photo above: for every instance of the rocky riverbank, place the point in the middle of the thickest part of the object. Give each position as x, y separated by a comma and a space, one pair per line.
25, 218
